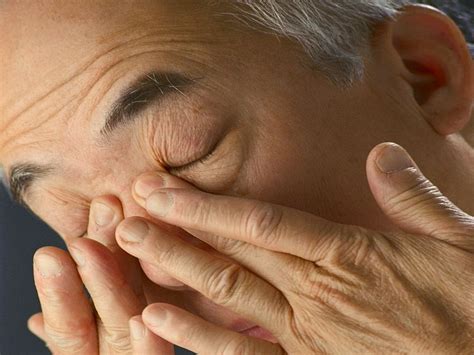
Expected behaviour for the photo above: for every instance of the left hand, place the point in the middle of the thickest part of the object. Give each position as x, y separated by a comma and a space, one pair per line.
318, 286
70, 323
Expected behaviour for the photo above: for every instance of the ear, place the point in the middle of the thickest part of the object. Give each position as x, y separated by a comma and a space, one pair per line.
437, 65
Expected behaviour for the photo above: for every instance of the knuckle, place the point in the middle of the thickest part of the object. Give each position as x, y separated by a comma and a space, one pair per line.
165, 255
228, 246
302, 271
355, 250
118, 339
73, 340
224, 283
419, 193
324, 293
263, 223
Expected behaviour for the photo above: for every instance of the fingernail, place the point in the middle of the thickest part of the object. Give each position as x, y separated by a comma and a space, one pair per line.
103, 214
160, 203
156, 316
78, 256
48, 265
137, 329
393, 158
133, 232
146, 185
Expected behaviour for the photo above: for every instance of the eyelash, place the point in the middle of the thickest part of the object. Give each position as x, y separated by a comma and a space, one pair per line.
188, 166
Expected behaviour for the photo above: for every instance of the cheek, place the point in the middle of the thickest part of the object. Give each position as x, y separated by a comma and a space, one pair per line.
72, 224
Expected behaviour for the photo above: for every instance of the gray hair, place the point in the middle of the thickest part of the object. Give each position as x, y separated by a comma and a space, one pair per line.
334, 33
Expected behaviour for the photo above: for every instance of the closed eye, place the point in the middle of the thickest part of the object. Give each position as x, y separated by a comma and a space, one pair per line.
183, 168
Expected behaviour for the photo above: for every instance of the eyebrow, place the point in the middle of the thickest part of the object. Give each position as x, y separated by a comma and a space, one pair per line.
148, 89
21, 178
135, 99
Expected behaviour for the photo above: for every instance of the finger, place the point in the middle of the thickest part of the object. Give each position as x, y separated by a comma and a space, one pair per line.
146, 342
36, 326
69, 322
195, 334
114, 299
262, 224
412, 201
265, 263
105, 215
222, 281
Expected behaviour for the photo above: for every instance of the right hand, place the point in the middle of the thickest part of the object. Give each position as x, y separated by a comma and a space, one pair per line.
68, 323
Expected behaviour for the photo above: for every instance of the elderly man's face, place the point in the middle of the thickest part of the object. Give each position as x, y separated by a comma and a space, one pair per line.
94, 93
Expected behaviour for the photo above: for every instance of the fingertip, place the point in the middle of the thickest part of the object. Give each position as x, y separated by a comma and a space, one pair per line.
145, 341
50, 262
112, 202
48, 250
77, 243
392, 158
106, 213
35, 325
137, 328
93, 253
376, 151
35, 320
137, 318
146, 184
154, 315
122, 230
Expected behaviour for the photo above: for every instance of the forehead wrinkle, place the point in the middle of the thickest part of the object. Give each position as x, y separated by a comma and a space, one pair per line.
89, 63
100, 75
18, 139
86, 91
133, 32
40, 100
42, 97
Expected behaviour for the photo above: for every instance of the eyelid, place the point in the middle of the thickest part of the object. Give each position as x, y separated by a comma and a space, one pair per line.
202, 160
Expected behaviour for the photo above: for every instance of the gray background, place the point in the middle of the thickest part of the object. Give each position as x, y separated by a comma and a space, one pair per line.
20, 235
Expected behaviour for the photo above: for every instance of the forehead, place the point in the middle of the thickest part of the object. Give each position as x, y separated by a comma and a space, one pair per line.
53, 54
43, 38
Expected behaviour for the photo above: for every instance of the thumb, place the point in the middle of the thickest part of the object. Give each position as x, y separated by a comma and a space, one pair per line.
412, 202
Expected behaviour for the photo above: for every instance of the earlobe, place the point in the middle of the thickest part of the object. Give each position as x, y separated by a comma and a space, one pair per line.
437, 66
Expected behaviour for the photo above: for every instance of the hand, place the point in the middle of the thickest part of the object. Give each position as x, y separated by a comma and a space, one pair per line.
69, 324
317, 286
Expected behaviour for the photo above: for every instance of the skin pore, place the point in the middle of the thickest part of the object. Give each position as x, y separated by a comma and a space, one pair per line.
282, 132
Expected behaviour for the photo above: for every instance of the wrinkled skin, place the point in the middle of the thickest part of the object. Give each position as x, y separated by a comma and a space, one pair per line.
318, 286
312, 286
286, 134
